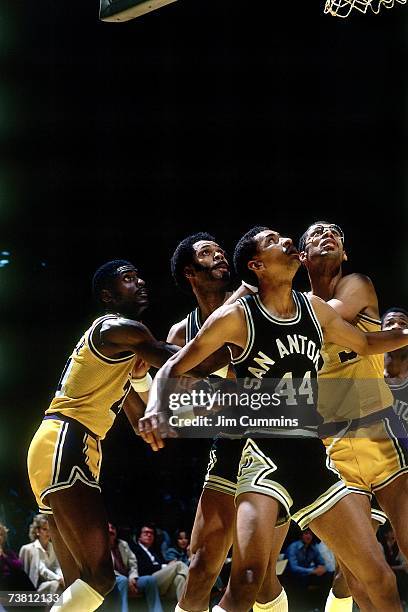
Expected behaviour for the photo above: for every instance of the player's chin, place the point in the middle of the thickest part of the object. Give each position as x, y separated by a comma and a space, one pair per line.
221, 274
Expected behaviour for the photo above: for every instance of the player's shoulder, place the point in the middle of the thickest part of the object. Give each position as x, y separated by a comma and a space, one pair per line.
112, 329
355, 280
227, 312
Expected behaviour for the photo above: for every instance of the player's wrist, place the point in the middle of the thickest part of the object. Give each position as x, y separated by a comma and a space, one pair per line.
143, 384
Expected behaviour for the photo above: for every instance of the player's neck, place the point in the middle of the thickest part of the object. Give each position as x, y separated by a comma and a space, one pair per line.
396, 364
210, 300
324, 279
277, 298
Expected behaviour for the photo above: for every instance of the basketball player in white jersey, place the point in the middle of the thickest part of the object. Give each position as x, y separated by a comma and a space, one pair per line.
273, 261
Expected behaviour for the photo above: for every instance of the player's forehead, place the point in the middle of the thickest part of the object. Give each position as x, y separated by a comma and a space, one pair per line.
201, 245
263, 236
399, 317
322, 224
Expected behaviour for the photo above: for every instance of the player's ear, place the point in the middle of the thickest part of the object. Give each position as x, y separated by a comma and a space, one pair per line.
345, 258
188, 271
255, 265
106, 296
302, 257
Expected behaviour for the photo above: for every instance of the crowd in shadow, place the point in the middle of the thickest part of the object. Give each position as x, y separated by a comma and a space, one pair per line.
151, 567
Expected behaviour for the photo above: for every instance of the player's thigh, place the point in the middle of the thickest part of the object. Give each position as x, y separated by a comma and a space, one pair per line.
66, 560
346, 528
81, 520
394, 501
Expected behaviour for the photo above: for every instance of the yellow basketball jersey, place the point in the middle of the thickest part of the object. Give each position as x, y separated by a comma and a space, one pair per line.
92, 387
350, 385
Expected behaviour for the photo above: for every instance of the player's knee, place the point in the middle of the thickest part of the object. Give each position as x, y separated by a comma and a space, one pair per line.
202, 565
249, 581
380, 579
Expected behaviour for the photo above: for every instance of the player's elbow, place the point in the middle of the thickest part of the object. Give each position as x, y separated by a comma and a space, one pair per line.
171, 368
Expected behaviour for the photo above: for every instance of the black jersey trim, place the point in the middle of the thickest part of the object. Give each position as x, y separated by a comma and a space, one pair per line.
193, 321
250, 333
278, 320
189, 334
197, 318
312, 313
95, 351
369, 319
58, 452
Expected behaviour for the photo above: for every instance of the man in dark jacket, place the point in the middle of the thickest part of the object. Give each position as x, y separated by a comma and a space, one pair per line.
170, 577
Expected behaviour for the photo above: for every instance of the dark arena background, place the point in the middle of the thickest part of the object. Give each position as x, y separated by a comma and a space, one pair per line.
118, 140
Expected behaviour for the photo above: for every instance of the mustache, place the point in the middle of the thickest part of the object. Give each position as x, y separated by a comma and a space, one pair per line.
221, 264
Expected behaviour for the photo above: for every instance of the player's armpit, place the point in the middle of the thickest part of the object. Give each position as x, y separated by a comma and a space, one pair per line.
177, 333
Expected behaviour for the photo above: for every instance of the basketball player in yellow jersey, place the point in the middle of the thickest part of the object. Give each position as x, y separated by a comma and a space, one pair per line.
364, 444
65, 454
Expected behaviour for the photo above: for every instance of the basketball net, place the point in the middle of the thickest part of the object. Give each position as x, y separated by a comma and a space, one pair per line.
343, 8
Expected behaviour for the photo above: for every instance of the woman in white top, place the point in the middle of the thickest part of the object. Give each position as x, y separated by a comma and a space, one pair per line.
39, 560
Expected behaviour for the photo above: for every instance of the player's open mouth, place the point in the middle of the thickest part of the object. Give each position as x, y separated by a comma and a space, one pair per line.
222, 266
329, 242
292, 251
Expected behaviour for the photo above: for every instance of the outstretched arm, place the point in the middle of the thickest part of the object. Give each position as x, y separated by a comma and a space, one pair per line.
121, 335
225, 326
125, 335
340, 332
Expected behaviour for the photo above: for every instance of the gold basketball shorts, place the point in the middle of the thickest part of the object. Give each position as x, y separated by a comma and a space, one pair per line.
61, 453
294, 472
369, 457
